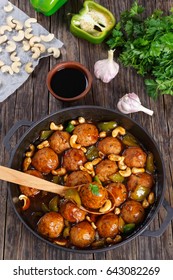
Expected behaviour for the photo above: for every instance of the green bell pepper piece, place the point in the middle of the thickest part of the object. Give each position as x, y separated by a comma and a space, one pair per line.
93, 23
47, 7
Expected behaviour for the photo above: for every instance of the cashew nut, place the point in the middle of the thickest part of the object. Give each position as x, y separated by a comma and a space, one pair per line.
29, 21
54, 51
36, 52
89, 166
31, 152
74, 122
92, 173
11, 46
118, 130
136, 170
81, 120
28, 34
53, 126
151, 198
6, 69
102, 134
29, 67
96, 161
121, 164
19, 24
19, 37
3, 39
33, 40
114, 157
15, 66
26, 46
14, 57
10, 22
8, 8
61, 171
47, 38
26, 201
125, 173
73, 143
26, 163
145, 203
4, 28
42, 145
41, 47
117, 211
106, 207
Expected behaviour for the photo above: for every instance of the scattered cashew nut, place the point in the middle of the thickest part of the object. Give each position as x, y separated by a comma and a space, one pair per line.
42, 145
26, 46
29, 67
14, 57
19, 24
47, 38
29, 21
36, 52
136, 170
15, 66
41, 47
10, 22
33, 40
4, 28
8, 8
28, 34
54, 51
6, 69
19, 37
11, 46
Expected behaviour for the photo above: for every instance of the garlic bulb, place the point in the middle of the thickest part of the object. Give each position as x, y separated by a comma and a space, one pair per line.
106, 69
130, 103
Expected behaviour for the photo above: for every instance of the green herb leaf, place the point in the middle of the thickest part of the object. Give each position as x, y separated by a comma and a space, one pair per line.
94, 189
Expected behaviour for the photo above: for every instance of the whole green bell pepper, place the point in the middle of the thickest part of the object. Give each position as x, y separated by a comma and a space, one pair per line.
93, 23
47, 7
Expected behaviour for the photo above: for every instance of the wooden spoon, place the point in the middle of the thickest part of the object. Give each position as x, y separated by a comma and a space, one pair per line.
24, 179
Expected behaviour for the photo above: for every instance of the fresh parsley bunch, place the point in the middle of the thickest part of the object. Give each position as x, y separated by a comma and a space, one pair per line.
146, 44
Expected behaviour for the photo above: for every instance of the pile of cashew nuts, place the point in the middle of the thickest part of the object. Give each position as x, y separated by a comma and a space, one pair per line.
23, 34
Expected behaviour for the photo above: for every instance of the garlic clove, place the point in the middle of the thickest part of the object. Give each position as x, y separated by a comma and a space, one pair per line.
106, 69
130, 103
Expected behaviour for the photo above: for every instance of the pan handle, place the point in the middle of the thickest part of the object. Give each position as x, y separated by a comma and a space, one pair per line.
13, 129
160, 231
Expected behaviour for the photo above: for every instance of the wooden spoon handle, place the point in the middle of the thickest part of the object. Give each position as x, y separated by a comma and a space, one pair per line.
21, 178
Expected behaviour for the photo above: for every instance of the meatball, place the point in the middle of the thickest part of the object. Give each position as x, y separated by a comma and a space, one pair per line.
73, 158
134, 157
110, 145
45, 160
132, 212
82, 234
59, 141
107, 225
78, 178
31, 191
93, 195
87, 134
140, 179
119, 192
71, 212
51, 224
106, 168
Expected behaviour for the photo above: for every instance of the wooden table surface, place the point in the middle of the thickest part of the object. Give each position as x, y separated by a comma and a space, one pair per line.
32, 101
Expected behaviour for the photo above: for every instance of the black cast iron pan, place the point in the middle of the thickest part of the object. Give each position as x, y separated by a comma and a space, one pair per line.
95, 114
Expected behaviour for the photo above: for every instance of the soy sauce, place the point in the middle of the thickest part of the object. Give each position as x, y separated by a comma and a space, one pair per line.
68, 82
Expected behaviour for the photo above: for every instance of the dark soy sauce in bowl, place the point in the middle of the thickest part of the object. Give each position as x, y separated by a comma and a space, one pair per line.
68, 82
